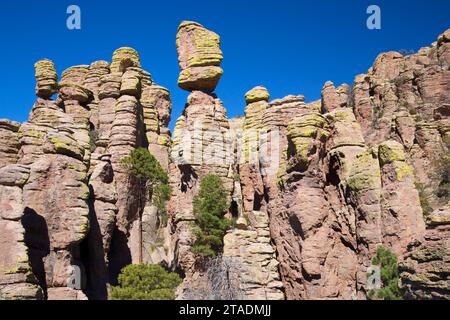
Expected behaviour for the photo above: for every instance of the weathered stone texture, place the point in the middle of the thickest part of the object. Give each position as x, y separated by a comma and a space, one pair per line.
199, 57
424, 272
314, 188
9, 142
46, 78
258, 267
402, 98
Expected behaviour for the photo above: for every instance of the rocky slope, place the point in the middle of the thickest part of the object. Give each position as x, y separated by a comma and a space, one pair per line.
315, 188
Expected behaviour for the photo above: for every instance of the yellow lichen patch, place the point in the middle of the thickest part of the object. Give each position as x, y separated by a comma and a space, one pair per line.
46, 78
74, 74
403, 170
210, 74
390, 151
84, 229
365, 172
164, 141
123, 58
438, 219
85, 193
302, 147
213, 59
16, 270
178, 131
309, 132
21, 259
324, 134
32, 133
302, 131
343, 115
259, 93
187, 23
45, 67
280, 174
206, 38
66, 146
123, 51
73, 91
311, 119
306, 125
185, 75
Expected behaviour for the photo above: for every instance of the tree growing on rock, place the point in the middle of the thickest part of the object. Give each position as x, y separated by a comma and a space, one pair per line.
145, 282
150, 175
153, 182
387, 260
210, 223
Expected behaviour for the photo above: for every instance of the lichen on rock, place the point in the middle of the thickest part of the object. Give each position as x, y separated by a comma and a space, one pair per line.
313, 188
199, 57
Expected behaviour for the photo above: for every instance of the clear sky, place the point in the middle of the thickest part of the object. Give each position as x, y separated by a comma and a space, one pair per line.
289, 46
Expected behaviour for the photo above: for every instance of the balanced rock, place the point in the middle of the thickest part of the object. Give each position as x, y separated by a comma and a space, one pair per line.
257, 94
46, 78
199, 57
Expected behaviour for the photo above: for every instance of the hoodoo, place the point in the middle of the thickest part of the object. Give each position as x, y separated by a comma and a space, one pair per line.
312, 190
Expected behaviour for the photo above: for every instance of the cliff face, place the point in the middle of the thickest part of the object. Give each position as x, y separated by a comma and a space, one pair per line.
315, 188
70, 212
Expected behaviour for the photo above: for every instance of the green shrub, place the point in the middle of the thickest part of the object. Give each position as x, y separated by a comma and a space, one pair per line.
399, 81
145, 282
387, 260
144, 166
210, 224
147, 170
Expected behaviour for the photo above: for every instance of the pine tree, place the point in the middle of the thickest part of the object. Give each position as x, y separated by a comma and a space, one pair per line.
387, 260
153, 183
210, 224
145, 282
146, 169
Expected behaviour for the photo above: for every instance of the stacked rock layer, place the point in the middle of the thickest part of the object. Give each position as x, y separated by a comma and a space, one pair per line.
315, 188
70, 213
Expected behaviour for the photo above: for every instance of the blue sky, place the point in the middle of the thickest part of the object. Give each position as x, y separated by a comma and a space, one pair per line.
289, 46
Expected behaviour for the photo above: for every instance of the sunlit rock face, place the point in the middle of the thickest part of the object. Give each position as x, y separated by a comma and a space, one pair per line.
199, 57
314, 188
69, 209
425, 267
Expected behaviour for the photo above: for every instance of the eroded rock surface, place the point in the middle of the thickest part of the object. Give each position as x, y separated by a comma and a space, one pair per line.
199, 57
424, 273
314, 188
69, 209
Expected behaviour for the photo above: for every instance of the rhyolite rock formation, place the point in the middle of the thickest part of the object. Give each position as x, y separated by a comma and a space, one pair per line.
199, 57
314, 188
424, 272
71, 215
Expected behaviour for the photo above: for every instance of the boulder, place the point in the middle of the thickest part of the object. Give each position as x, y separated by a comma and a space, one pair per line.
199, 57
